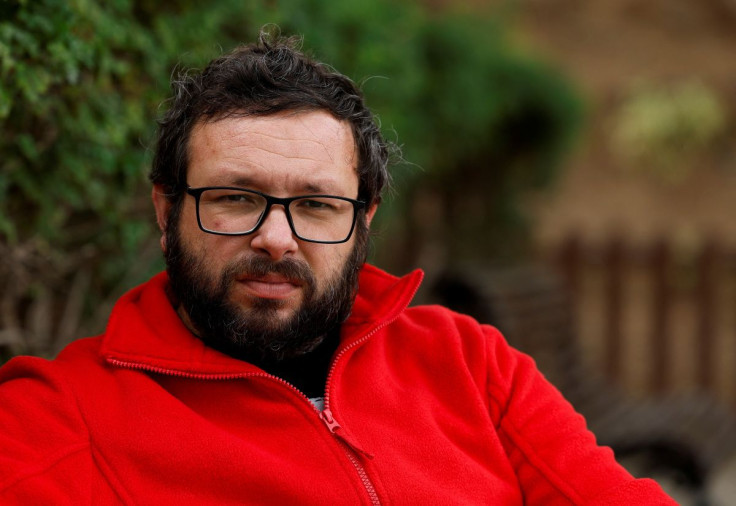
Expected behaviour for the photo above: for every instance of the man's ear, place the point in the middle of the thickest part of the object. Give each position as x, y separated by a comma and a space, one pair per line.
370, 213
162, 206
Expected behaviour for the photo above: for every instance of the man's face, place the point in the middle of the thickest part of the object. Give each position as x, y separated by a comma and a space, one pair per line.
266, 295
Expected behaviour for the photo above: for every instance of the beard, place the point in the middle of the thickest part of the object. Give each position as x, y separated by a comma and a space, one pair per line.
256, 333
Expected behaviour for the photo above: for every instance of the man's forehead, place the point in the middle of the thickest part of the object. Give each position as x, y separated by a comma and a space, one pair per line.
291, 131
315, 151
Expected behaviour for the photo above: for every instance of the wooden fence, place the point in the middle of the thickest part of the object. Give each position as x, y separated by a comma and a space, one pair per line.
657, 318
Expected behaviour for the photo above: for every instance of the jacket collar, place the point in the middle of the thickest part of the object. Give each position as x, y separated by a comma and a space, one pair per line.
145, 332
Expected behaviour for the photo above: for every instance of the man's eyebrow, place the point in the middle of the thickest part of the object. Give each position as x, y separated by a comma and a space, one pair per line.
237, 181
324, 186
242, 181
318, 187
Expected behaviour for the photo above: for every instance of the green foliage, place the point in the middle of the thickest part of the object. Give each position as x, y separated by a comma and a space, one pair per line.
81, 81
68, 120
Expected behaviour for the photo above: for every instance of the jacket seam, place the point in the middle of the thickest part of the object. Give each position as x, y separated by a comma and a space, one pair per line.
106, 472
538, 463
55, 459
496, 400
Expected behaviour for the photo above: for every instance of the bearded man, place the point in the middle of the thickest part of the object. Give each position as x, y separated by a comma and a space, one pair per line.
269, 364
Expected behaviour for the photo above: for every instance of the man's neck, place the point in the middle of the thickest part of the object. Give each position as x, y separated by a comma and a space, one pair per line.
307, 372
184, 317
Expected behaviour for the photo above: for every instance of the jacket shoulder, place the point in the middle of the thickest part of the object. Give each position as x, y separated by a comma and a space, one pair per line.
445, 323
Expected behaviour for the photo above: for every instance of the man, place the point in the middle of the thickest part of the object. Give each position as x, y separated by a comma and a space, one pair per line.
269, 365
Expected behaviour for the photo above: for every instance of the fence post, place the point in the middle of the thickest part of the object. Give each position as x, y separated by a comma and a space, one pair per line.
706, 314
660, 262
570, 261
614, 262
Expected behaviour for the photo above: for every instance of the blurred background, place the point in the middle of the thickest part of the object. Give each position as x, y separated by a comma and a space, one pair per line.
569, 175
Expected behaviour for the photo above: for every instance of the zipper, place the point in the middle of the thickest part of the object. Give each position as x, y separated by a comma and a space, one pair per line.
175, 372
351, 450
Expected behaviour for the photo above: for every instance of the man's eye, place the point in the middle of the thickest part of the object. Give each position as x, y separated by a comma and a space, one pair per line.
320, 205
316, 204
235, 198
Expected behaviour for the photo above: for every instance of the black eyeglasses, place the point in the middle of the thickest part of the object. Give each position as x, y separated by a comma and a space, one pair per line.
226, 210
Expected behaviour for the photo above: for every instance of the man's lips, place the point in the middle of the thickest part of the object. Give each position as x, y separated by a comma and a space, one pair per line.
270, 286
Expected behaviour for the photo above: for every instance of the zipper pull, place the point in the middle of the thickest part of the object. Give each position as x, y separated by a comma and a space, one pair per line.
326, 416
333, 427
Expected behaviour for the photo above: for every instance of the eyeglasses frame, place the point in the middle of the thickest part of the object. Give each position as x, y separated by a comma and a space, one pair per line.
270, 201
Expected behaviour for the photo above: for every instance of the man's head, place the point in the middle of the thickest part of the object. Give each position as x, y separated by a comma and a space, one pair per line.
267, 119
264, 79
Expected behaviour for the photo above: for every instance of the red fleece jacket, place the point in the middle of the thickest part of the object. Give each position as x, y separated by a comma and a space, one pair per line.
423, 406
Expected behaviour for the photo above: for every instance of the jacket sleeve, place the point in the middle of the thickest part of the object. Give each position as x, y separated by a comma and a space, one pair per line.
556, 459
44, 443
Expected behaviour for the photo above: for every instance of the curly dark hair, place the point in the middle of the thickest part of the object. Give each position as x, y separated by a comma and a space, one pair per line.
261, 79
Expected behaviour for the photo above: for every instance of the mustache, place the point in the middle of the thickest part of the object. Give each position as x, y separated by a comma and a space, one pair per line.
259, 266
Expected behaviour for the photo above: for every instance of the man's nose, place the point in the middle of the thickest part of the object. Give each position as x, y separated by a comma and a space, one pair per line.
274, 237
